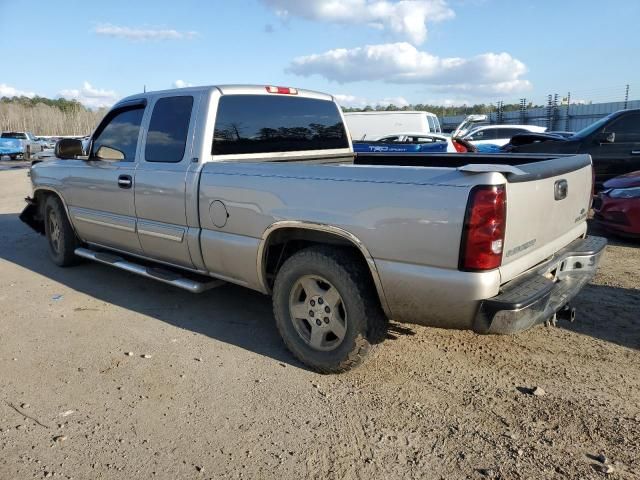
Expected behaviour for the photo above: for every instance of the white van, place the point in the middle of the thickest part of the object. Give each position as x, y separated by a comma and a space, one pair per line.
370, 125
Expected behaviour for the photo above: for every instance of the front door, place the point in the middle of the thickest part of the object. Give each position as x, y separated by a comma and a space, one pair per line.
160, 186
100, 190
623, 154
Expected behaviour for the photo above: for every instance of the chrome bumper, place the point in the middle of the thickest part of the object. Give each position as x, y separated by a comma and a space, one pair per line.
539, 294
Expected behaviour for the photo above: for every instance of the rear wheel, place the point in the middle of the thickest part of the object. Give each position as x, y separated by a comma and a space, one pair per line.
61, 237
327, 310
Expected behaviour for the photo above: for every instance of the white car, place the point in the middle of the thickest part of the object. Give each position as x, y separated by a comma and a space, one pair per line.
498, 134
453, 145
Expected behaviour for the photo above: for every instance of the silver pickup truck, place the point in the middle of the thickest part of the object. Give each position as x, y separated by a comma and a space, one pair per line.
259, 186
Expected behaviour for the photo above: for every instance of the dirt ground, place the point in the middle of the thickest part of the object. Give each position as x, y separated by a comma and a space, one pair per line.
220, 397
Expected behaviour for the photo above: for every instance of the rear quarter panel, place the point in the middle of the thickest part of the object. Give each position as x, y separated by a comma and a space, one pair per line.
410, 220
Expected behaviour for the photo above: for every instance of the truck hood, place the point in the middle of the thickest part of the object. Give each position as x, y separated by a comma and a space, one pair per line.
628, 180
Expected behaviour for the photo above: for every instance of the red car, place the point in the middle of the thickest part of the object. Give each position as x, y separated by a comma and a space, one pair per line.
617, 207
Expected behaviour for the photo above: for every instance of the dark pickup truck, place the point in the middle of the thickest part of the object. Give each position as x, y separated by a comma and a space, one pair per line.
613, 143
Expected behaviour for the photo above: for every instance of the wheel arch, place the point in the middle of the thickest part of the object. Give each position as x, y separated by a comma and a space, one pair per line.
41, 193
309, 233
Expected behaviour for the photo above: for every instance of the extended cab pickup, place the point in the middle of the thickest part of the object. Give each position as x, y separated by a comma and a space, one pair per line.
260, 187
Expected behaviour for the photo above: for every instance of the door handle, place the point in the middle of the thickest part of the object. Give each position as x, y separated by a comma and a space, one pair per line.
124, 181
635, 152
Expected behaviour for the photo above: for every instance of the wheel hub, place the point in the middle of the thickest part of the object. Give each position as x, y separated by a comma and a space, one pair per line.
318, 313
54, 231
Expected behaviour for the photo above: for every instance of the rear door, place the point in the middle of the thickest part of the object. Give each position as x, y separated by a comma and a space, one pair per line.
161, 177
623, 155
99, 191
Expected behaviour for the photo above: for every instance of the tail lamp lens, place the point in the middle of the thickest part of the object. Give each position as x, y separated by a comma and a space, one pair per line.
484, 227
460, 148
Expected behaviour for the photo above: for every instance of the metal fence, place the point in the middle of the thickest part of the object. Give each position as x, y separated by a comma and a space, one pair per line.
566, 113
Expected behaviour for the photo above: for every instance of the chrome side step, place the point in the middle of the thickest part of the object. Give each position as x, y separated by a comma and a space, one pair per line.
156, 273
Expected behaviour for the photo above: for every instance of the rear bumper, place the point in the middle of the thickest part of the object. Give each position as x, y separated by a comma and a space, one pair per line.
539, 294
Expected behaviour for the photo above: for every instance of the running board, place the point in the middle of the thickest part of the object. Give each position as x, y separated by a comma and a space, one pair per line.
156, 273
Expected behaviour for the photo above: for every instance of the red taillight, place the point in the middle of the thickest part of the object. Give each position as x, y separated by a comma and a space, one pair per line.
459, 147
483, 231
282, 90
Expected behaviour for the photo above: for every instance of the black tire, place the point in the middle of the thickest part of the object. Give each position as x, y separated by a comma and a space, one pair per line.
60, 235
366, 323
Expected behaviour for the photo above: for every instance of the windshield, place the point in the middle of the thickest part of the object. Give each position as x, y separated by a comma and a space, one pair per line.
593, 127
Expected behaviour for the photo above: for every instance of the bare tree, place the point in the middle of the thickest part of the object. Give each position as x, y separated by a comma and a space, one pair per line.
42, 119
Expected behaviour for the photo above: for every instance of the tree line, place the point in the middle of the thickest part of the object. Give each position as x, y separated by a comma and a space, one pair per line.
46, 116
442, 111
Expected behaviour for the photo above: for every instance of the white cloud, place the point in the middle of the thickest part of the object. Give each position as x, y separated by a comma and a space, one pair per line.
8, 91
90, 96
181, 84
361, 102
402, 63
407, 18
142, 34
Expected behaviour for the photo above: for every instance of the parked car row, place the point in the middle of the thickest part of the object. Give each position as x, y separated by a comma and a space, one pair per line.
414, 143
613, 143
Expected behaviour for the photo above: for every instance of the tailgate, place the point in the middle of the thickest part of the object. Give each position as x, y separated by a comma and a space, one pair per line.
547, 209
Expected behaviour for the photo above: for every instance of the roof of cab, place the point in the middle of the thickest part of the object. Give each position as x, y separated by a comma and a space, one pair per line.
235, 89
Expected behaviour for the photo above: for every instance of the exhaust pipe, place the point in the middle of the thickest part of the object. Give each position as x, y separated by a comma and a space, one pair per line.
567, 313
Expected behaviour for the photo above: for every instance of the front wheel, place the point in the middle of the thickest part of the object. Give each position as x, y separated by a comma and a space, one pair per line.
327, 310
60, 235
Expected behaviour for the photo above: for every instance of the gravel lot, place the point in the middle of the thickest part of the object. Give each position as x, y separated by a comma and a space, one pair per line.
220, 397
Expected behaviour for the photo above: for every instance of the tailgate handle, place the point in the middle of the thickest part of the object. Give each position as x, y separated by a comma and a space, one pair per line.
560, 189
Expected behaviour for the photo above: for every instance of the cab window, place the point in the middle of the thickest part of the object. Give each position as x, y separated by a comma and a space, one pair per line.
168, 129
276, 123
626, 128
432, 124
118, 138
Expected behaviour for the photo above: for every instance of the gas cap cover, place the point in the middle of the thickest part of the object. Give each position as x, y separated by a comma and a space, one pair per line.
218, 213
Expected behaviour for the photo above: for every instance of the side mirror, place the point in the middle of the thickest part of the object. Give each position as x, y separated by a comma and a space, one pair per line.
68, 148
606, 137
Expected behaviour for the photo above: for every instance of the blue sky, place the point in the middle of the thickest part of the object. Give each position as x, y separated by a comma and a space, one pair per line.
365, 51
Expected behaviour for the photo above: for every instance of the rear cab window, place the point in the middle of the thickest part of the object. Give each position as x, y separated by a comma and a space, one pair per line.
249, 124
16, 135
